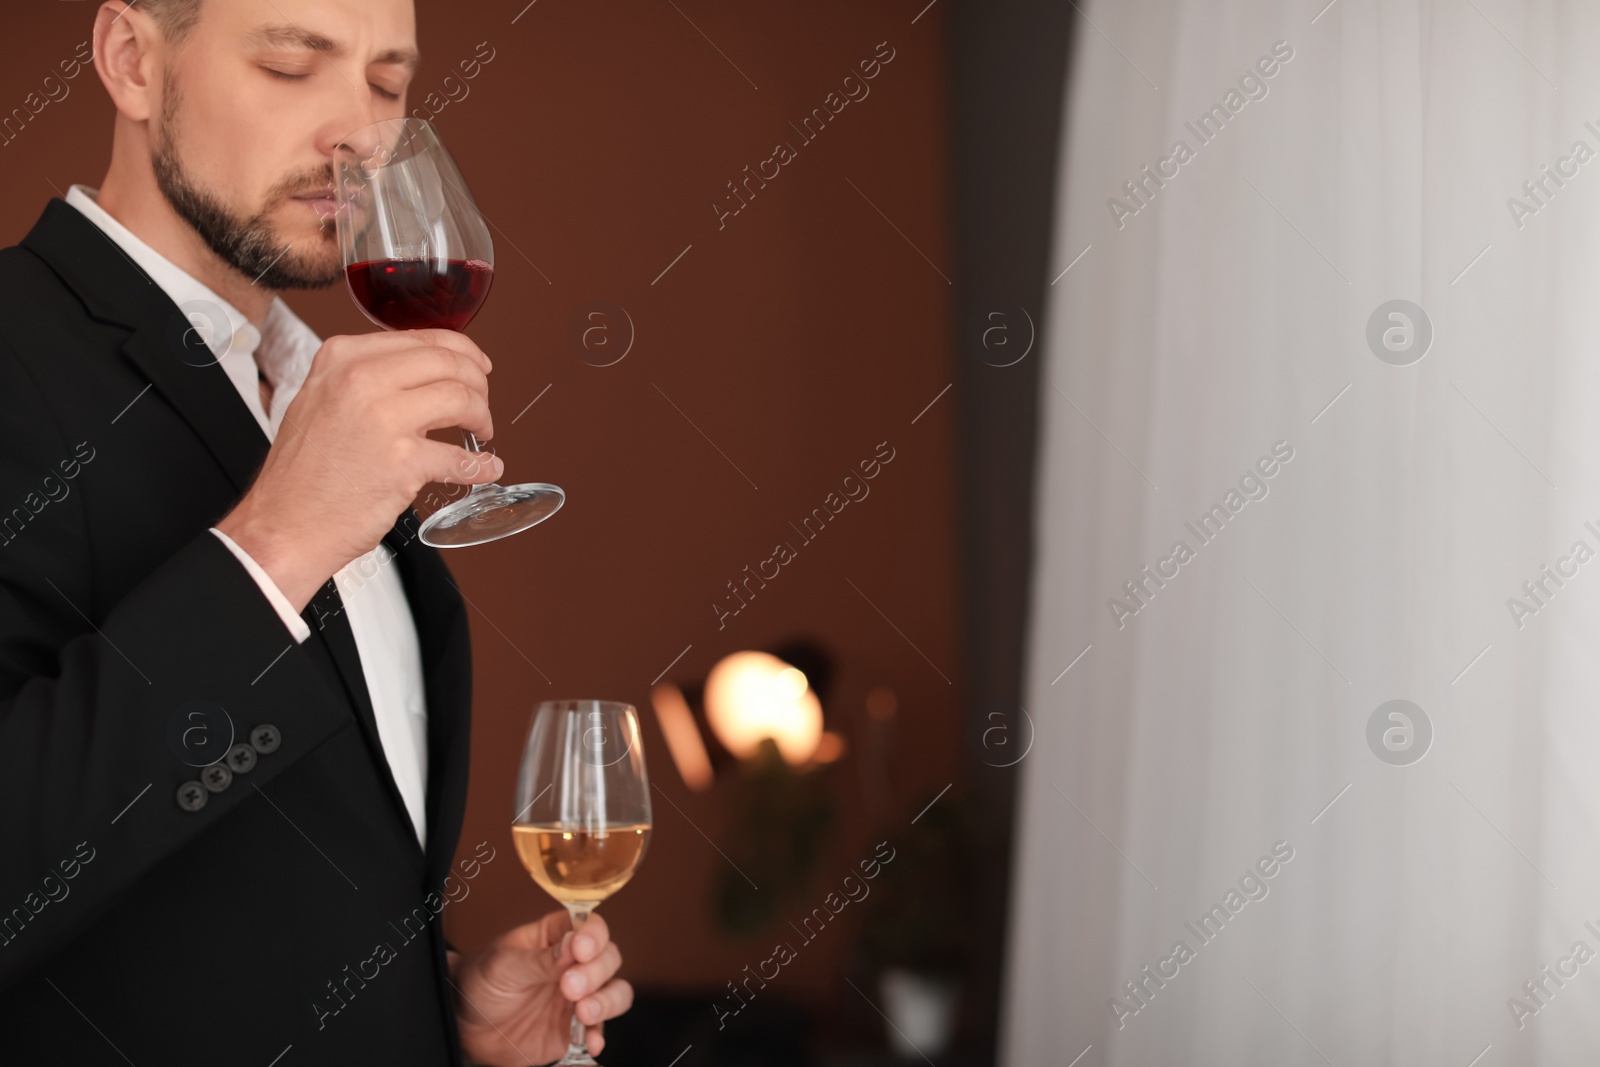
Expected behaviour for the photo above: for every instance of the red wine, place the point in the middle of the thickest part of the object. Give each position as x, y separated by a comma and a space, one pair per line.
415, 294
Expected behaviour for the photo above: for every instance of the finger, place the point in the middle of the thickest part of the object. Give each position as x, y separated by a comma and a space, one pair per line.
612, 1000
543, 933
420, 366
387, 342
531, 954
443, 404
588, 941
596, 1041
584, 978
460, 342
455, 465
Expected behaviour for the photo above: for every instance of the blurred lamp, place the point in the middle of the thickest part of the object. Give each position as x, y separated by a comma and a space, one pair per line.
753, 695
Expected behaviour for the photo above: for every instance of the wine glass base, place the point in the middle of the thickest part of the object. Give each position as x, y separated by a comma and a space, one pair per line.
576, 1057
491, 512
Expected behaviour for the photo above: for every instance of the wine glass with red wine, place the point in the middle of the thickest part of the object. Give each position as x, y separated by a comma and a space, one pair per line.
417, 255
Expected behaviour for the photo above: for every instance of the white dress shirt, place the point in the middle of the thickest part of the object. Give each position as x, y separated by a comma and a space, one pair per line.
374, 597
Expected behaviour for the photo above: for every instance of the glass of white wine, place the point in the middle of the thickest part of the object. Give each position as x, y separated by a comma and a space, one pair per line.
583, 810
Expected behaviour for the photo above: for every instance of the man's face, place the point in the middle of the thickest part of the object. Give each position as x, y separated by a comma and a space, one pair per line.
254, 101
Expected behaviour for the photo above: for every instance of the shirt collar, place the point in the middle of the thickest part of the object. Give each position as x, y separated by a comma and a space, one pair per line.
232, 338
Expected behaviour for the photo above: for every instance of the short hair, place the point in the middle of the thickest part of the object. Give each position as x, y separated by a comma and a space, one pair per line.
176, 18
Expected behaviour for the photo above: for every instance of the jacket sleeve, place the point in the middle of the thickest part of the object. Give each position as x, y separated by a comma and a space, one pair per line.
95, 699
299, 629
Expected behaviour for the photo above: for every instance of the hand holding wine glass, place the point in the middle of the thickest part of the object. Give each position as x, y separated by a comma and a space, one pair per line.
353, 452
417, 254
517, 997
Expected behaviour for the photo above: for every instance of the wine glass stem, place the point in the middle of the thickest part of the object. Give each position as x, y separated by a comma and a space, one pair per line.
471, 441
577, 1034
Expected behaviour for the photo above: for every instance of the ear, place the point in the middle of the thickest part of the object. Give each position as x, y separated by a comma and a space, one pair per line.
127, 52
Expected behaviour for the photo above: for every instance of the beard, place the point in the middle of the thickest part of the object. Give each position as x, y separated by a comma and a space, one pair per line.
251, 244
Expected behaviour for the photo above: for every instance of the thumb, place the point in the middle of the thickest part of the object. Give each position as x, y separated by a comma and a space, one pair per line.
475, 468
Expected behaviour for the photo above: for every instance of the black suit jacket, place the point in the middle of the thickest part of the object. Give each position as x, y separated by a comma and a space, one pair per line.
133, 929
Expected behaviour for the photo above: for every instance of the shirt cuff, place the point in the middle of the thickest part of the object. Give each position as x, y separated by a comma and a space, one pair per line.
280, 603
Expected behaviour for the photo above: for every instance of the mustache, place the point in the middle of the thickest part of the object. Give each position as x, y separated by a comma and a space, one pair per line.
303, 184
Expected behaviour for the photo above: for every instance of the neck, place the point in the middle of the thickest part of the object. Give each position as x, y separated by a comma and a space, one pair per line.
130, 195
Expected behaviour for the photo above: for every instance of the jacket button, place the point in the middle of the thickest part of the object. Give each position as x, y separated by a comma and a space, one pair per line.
192, 796
241, 759
265, 739
217, 777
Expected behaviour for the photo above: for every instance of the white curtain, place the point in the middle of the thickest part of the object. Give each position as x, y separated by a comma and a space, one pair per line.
1228, 313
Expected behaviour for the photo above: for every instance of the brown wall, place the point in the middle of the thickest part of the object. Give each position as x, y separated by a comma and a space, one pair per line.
796, 338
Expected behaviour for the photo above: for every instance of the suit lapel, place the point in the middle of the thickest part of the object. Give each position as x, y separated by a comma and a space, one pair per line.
163, 343
183, 370
440, 617
179, 365
331, 627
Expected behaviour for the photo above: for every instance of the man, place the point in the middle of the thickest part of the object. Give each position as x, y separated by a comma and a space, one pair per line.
234, 686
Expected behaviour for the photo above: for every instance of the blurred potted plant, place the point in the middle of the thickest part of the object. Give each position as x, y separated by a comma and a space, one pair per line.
766, 711
783, 817
915, 937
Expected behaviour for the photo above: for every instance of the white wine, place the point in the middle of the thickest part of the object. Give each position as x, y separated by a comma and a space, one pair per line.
579, 866
584, 842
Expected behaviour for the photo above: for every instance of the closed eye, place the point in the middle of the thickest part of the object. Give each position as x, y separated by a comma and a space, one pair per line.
285, 76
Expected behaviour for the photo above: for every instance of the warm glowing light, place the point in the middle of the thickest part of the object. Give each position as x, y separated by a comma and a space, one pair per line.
688, 751
791, 681
752, 695
830, 748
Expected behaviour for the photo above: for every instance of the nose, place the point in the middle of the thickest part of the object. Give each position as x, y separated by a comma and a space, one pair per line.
342, 128
350, 143
353, 136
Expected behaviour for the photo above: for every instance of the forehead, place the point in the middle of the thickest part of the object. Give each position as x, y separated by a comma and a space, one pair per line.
373, 31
